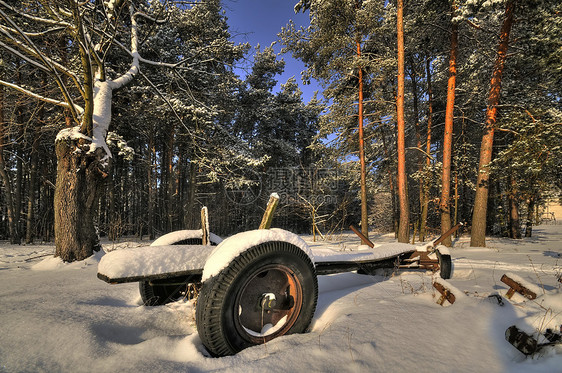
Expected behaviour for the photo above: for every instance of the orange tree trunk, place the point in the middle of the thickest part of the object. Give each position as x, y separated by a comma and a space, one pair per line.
404, 224
364, 211
425, 198
478, 234
444, 204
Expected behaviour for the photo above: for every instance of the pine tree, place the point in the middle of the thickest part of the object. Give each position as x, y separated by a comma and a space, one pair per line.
478, 234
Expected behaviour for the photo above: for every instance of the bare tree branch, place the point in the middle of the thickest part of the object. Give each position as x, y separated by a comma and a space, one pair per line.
41, 56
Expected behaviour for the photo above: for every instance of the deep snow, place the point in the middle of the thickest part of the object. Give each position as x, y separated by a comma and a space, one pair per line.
57, 317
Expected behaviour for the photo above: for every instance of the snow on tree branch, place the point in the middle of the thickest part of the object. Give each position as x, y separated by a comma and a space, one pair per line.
39, 97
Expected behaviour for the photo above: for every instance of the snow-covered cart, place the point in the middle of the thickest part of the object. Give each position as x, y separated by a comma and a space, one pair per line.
254, 286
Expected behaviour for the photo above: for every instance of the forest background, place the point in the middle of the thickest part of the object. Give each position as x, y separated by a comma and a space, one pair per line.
186, 131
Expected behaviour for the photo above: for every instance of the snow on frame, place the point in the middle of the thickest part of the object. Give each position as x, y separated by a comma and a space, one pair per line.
64, 319
176, 236
152, 260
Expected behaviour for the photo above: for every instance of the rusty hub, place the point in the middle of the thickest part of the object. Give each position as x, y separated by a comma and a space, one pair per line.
269, 303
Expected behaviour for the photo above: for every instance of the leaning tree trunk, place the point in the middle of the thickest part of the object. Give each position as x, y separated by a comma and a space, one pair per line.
478, 234
79, 177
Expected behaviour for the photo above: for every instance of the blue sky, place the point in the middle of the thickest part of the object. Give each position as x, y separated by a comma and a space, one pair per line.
259, 21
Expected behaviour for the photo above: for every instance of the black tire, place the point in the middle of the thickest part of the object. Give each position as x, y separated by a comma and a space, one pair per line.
445, 265
160, 294
267, 284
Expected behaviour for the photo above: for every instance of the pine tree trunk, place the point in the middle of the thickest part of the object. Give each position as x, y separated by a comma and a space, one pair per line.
478, 234
171, 180
192, 188
150, 185
530, 213
12, 220
426, 185
514, 223
456, 209
79, 178
444, 203
419, 160
29, 232
391, 186
404, 224
18, 190
364, 210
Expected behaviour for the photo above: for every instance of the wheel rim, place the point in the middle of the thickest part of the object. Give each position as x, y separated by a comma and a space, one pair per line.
268, 304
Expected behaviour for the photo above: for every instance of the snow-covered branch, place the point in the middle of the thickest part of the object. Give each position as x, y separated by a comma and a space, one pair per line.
58, 22
35, 34
176, 65
34, 52
134, 69
24, 57
39, 97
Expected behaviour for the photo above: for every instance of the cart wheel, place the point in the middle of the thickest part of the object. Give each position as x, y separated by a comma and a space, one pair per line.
445, 265
267, 291
160, 294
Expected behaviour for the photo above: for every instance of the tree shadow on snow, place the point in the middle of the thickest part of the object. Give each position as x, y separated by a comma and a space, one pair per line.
333, 287
552, 254
120, 334
108, 302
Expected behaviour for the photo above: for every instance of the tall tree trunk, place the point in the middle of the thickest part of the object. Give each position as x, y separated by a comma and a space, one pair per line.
18, 191
514, 223
444, 203
391, 185
419, 160
30, 220
426, 184
171, 180
111, 213
12, 219
456, 197
364, 211
530, 212
478, 235
150, 184
190, 203
404, 224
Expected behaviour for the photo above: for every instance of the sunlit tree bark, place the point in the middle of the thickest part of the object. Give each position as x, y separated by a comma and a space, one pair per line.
478, 235
404, 224
444, 204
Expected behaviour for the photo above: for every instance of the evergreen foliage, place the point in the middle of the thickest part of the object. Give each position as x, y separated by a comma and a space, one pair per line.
202, 135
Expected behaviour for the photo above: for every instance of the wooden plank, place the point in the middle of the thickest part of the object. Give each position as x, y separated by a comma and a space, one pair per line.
446, 294
515, 286
364, 239
329, 268
269, 211
205, 226
160, 276
446, 234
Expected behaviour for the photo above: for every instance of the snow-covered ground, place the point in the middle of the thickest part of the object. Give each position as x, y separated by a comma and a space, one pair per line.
57, 317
